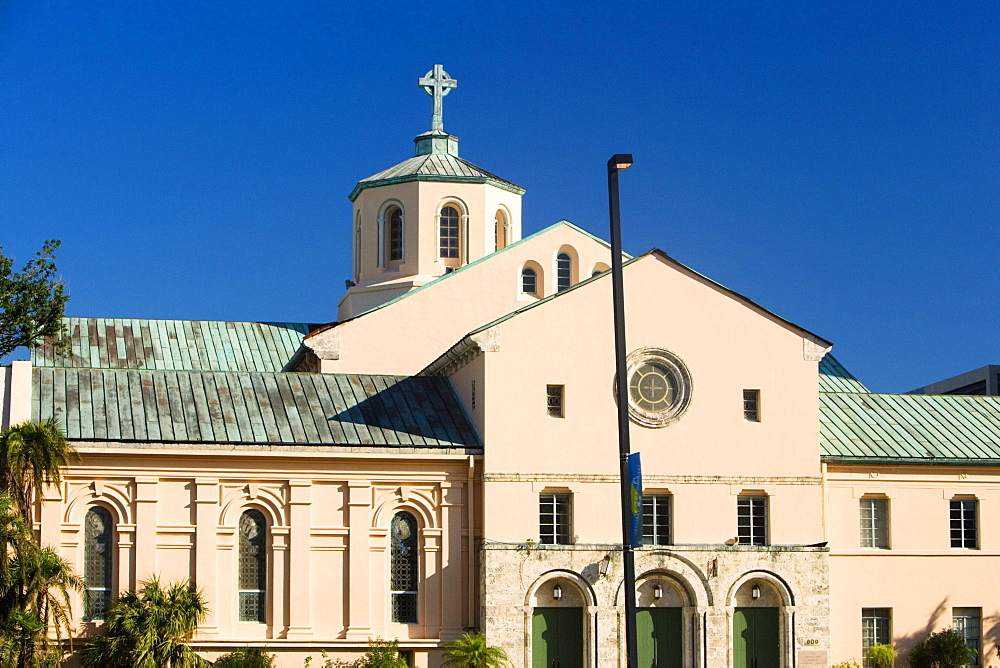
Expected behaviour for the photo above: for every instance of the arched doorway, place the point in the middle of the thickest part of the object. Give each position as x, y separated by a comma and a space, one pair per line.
559, 624
756, 624
659, 622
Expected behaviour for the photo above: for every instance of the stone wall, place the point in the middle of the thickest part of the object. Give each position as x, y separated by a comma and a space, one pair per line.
707, 581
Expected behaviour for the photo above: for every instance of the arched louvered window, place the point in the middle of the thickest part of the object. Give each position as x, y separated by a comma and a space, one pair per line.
529, 281
253, 566
403, 568
563, 271
98, 529
449, 232
396, 234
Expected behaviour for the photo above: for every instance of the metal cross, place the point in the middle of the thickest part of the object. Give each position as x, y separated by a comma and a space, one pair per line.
437, 83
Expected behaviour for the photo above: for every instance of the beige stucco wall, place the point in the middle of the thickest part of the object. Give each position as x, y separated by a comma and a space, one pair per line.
328, 513
921, 577
15, 393
404, 338
706, 458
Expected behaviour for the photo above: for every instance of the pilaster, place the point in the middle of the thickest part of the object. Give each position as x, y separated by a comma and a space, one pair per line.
451, 560
299, 576
145, 528
205, 573
359, 499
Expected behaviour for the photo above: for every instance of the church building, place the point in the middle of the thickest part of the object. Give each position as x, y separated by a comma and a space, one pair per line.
443, 458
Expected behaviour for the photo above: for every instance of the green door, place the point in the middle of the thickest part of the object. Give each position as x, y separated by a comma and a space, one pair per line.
755, 638
557, 638
658, 631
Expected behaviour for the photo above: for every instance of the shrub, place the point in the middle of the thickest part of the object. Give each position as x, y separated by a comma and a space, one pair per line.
246, 658
383, 654
471, 651
945, 649
880, 656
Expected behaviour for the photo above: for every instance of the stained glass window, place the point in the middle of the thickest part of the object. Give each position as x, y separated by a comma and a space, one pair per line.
403, 573
98, 534
253, 566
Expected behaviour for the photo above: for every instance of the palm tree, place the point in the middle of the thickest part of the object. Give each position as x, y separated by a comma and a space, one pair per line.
471, 651
32, 455
34, 593
149, 628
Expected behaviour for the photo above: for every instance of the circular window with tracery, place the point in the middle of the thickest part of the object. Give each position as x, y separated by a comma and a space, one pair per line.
659, 387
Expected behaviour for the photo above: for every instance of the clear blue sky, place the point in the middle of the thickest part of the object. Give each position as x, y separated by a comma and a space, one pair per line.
835, 162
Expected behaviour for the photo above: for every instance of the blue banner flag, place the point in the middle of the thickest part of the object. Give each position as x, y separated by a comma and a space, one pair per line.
635, 489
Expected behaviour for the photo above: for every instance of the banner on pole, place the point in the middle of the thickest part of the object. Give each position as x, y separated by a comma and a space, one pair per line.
635, 489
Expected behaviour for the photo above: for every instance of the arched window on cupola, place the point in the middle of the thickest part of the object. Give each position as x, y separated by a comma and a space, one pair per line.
450, 227
403, 569
357, 247
502, 230
564, 271
252, 584
98, 539
395, 222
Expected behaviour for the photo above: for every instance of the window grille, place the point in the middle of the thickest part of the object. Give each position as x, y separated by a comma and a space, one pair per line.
554, 515
751, 405
253, 566
875, 523
529, 281
752, 519
656, 519
449, 232
963, 523
563, 271
403, 573
554, 400
875, 623
396, 235
98, 533
968, 623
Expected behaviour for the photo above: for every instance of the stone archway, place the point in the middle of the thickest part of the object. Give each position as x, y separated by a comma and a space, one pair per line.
560, 611
760, 612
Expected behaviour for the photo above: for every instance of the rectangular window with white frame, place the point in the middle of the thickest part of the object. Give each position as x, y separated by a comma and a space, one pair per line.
875, 522
751, 513
656, 519
968, 622
555, 518
751, 405
964, 523
876, 628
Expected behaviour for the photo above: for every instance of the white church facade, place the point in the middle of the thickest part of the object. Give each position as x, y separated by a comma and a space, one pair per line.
443, 457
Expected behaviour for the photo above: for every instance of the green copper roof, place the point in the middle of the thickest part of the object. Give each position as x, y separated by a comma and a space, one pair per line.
196, 345
252, 408
434, 167
909, 428
833, 377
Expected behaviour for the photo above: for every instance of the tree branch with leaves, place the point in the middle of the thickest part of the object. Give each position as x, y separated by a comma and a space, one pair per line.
32, 301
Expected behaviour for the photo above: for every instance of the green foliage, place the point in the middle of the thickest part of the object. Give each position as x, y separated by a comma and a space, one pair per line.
149, 628
946, 649
32, 300
471, 651
880, 656
34, 594
850, 663
382, 654
248, 657
32, 455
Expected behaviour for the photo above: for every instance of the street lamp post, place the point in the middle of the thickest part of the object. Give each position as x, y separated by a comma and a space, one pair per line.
619, 163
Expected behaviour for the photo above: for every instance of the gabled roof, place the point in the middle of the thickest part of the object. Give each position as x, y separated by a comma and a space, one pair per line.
272, 409
452, 274
833, 377
434, 167
195, 345
859, 427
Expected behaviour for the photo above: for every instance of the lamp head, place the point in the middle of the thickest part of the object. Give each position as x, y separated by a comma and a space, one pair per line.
620, 162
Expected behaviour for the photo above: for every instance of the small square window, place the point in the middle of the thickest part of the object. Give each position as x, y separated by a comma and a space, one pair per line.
752, 519
875, 523
751, 405
554, 400
554, 518
964, 523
